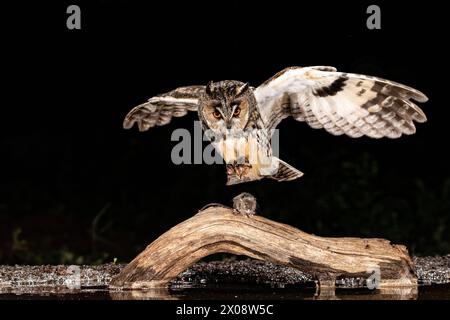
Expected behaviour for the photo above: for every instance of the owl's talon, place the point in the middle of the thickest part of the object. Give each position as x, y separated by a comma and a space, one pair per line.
238, 170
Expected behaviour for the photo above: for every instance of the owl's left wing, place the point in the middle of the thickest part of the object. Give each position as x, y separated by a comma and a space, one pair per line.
341, 103
160, 109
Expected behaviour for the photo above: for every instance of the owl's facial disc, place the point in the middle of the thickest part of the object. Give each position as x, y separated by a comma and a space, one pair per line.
226, 105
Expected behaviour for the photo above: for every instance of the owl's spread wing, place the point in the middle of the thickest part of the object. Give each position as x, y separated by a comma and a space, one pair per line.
341, 103
160, 109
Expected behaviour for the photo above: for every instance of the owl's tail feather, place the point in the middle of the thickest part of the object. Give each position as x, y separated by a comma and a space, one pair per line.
286, 172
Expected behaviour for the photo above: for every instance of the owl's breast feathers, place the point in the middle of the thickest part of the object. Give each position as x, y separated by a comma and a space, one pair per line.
248, 156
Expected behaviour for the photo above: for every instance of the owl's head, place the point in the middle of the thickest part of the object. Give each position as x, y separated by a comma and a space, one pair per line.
226, 105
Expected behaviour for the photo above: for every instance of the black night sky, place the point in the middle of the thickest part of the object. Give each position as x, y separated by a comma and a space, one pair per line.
77, 188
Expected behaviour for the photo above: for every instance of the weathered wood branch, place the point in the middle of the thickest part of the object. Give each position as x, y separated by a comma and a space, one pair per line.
218, 229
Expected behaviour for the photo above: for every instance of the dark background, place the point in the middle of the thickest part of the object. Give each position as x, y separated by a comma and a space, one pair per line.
77, 188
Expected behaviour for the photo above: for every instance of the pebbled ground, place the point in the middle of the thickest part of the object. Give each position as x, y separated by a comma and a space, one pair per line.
430, 270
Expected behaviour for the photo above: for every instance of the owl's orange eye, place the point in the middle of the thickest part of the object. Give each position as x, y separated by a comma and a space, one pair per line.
217, 114
237, 111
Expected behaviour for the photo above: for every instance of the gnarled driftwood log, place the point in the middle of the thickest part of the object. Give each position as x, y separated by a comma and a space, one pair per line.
218, 229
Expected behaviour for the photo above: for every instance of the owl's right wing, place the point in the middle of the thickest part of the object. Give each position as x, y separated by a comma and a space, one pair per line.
160, 109
341, 103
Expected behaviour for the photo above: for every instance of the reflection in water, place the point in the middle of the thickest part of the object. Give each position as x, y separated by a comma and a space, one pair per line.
241, 293
149, 294
406, 293
232, 292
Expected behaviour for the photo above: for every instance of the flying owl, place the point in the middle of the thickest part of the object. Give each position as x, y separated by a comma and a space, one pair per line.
240, 119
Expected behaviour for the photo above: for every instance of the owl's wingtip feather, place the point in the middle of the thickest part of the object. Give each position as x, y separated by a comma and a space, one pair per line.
127, 124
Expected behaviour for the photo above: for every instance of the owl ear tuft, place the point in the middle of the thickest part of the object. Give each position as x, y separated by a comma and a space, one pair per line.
209, 88
242, 89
